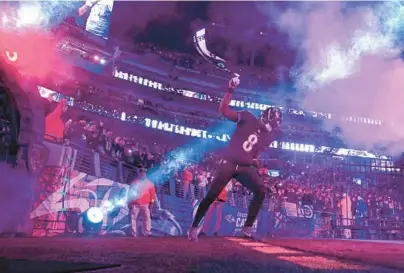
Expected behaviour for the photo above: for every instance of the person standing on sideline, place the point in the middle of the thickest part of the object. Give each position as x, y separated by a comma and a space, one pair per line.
142, 195
346, 212
202, 183
188, 187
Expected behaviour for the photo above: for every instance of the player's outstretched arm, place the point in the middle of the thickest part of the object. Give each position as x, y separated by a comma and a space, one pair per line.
224, 108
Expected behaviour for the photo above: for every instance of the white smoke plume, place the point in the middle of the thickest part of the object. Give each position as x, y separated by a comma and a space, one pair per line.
351, 67
16, 199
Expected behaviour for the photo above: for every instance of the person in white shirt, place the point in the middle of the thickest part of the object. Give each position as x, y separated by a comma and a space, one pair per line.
99, 16
202, 183
345, 205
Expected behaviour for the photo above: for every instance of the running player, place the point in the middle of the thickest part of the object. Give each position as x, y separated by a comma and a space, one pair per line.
252, 135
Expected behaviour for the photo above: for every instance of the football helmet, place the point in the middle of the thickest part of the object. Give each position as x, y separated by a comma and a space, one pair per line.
271, 118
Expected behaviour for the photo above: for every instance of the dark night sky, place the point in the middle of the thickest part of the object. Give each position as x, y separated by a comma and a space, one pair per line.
163, 23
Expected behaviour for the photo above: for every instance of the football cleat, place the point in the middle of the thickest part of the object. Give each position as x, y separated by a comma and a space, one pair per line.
193, 234
247, 234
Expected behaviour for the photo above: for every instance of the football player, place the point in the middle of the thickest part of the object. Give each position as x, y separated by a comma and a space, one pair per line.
240, 161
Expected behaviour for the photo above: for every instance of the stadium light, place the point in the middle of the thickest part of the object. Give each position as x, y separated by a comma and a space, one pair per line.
123, 116
94, 215
121, 202
29, 15
90, 222
107, 206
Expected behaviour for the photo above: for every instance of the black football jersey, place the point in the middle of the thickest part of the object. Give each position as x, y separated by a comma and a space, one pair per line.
249, 139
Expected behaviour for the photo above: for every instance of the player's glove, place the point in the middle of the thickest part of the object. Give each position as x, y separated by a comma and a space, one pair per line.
234, 82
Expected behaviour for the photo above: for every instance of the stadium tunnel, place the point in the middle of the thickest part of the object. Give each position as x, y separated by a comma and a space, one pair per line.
21, 137
21, 113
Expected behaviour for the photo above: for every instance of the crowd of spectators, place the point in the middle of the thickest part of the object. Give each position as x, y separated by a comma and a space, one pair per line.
255, 77
321, 184
316, 183
87, 97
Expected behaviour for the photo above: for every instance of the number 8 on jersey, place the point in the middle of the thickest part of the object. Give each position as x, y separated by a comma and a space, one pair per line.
250, 142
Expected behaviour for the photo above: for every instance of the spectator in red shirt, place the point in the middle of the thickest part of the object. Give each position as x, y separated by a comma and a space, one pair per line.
142, 195
188, 187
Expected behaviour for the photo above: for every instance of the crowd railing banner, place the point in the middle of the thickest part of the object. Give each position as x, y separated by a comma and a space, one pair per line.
233, 220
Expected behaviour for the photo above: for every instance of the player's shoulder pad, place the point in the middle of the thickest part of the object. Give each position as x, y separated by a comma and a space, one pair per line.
244, 115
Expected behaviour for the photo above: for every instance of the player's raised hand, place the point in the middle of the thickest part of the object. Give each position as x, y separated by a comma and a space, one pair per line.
234, 82
83, 10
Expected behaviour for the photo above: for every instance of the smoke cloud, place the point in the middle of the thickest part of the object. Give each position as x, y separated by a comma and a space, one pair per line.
16, 199
32, 48
349, 66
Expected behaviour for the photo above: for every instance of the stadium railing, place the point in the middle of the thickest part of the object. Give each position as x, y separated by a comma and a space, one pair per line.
333, 225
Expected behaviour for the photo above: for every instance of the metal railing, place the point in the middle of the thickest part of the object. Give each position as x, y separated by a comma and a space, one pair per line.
335, 226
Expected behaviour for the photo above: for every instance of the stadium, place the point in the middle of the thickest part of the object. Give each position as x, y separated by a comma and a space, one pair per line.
114, 135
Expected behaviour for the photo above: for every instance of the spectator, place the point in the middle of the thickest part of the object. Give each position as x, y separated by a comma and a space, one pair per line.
141, 198
346, 213
202, 183
92, 136
188, 187
361, 213
75, 133
118, 148
108, 143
